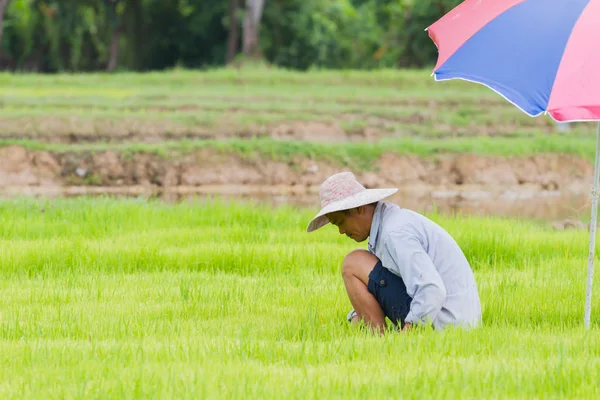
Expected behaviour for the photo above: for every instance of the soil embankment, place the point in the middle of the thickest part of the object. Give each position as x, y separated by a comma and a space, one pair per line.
548, 186
29, 168
206, 171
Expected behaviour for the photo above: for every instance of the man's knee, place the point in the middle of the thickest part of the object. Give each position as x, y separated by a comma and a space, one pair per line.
359, 263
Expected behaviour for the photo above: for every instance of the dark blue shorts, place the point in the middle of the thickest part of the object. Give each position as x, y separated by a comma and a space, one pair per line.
390, 292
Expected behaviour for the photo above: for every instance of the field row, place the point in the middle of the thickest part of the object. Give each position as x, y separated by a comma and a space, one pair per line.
229, 237
312, 106
362, 156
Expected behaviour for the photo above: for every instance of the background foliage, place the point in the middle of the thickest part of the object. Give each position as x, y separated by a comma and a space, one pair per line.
76, 35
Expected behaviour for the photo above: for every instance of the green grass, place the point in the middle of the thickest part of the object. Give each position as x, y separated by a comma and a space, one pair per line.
362, 156
137, 299
181, 103
270, 76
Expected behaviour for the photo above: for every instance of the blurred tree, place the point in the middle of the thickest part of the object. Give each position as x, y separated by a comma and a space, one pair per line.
186, 33
254, 11
3, 5
326, 34
114, 12
140, 35
233, 22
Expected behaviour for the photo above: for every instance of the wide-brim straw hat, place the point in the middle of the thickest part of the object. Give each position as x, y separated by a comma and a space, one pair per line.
343, 192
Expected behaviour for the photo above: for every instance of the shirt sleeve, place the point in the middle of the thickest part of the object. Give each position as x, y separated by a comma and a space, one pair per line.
423, 283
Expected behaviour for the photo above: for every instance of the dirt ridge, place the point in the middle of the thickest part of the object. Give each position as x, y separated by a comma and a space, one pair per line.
20, 167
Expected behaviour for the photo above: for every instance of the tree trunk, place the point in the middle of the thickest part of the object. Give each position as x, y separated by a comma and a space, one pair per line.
113, 58
3, 5
232, 46
254, 9
114, 22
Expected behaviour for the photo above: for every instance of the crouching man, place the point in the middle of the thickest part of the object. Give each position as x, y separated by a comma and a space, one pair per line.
414, 272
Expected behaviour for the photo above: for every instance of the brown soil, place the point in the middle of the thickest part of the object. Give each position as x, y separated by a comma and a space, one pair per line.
545, 187
20, 167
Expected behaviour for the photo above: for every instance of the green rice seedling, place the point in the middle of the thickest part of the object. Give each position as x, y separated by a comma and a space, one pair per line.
131, 298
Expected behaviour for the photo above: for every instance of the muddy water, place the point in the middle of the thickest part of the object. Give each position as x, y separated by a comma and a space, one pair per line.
534, 204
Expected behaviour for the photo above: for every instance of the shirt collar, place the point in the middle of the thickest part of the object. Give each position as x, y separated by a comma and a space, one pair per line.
375, 225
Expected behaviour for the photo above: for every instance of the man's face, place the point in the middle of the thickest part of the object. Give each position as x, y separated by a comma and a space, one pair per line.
354, 223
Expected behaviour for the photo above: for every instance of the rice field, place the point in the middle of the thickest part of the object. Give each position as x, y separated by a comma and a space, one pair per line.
343, 117
182, 104
132, 298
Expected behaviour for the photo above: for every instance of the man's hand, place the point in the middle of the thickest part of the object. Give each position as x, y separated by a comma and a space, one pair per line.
407, 327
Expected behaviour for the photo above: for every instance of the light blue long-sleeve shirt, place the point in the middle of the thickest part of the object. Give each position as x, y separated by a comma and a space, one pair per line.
434, 269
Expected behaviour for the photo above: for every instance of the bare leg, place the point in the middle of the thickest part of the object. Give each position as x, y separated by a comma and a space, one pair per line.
355, 271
